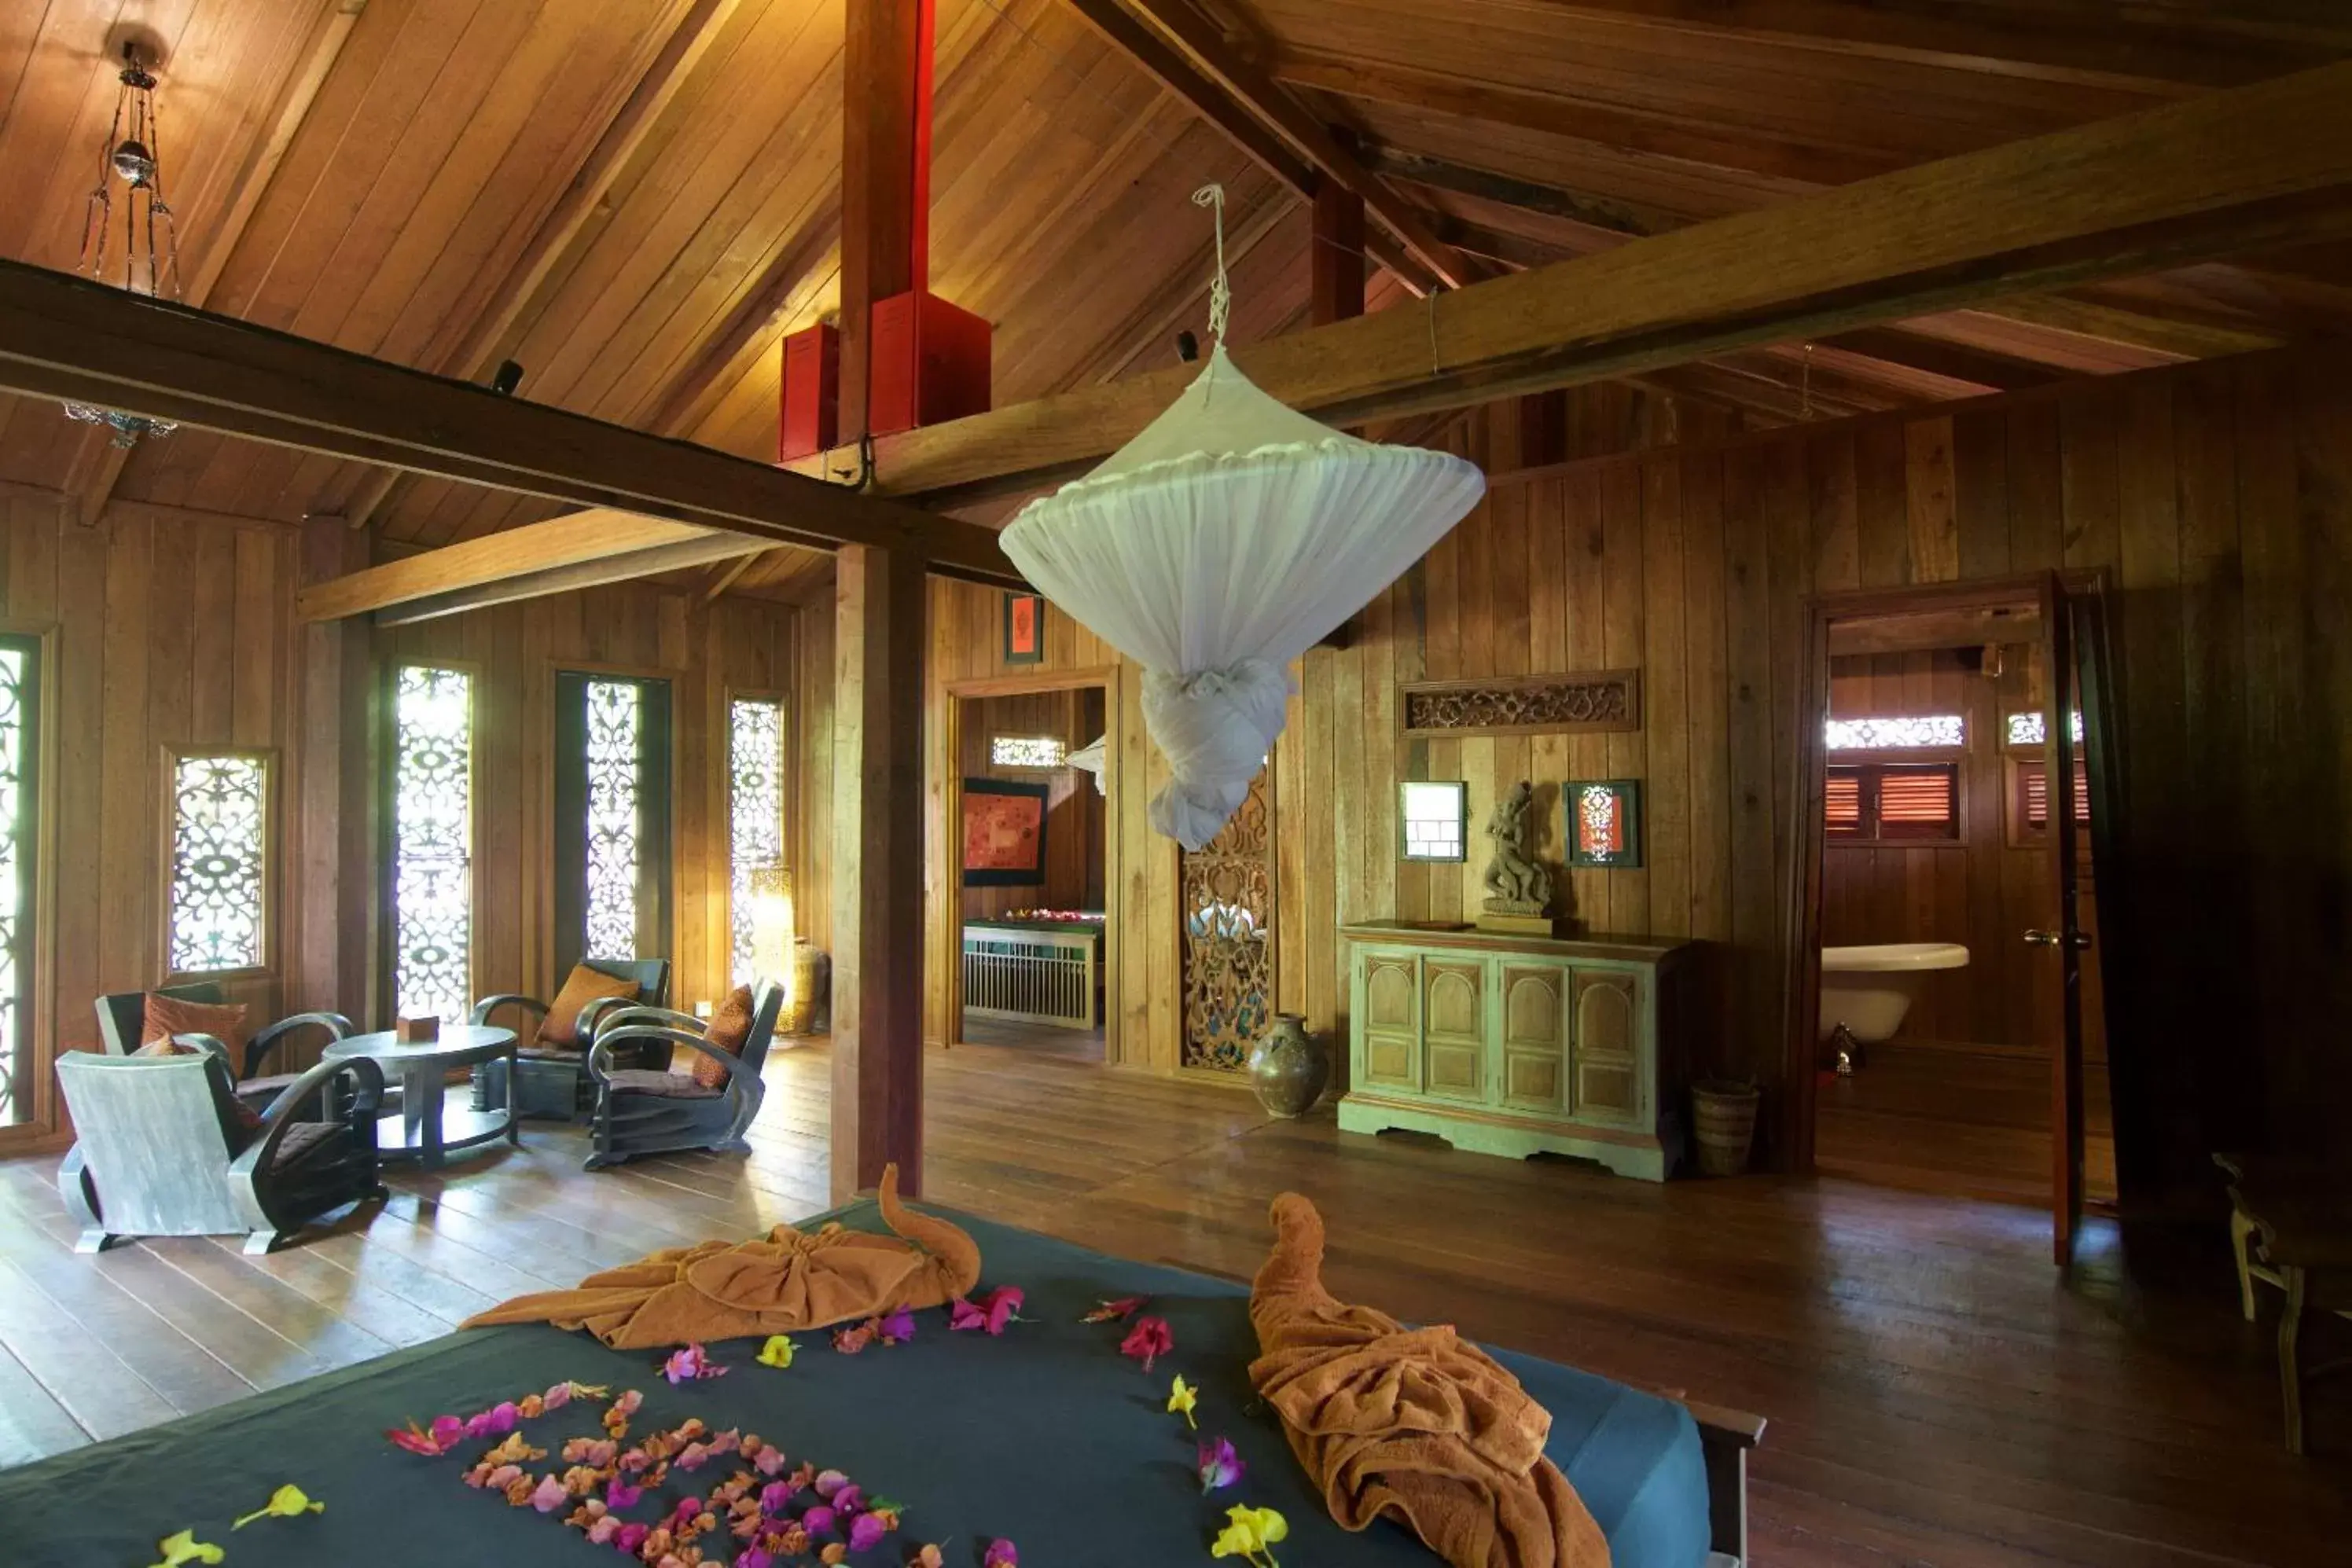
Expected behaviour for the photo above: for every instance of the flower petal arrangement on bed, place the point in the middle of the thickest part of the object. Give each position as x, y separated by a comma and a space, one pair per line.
934, 1448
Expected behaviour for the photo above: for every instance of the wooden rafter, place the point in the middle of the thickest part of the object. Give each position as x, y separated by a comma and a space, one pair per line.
2268, 164
65, 337
1205, 49
252, 182
470, 347
596, 545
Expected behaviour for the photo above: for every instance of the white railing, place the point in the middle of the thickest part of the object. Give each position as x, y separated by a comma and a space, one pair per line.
1031, 977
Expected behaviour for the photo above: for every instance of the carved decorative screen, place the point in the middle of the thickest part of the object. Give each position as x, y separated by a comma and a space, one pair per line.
19, 798
610, 898
1228, 890
220, 847
755, 815
433, 841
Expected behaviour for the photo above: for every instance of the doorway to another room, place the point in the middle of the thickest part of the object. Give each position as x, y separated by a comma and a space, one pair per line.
1960, 1035
1032, 871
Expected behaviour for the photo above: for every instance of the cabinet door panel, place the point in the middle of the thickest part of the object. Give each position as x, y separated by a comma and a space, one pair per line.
1389, 993
1535, 1036
1453, 1033
1608, 1045
1389, 1061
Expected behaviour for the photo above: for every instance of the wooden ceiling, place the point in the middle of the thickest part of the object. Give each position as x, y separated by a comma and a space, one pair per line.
637, 199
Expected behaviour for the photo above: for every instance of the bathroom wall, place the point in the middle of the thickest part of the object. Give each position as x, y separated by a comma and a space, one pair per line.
1983, 891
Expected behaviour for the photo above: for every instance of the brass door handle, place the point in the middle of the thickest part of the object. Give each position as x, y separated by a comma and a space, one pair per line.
2078, 940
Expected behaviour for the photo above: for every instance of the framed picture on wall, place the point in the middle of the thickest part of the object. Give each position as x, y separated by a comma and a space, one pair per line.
1604, 822
1431, 820
1025, 629
1003, 833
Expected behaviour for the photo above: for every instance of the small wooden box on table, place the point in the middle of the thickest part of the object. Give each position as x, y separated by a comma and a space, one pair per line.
1519, 1045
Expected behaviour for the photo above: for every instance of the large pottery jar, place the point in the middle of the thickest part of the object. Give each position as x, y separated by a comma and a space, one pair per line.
1289, 1067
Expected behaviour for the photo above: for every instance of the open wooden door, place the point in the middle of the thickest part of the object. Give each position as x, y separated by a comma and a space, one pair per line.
2075, 650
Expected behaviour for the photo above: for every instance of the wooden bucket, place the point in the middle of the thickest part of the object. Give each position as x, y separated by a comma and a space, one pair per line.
1724, 1119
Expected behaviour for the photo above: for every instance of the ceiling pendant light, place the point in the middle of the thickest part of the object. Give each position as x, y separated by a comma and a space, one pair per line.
131, 156
1227, 538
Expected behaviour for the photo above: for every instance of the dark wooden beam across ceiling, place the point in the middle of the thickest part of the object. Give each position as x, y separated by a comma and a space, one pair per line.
2269, 164
65, 337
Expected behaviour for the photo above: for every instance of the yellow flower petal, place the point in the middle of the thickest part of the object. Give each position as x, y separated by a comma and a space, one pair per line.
777, 1352
1180, 1399
183, 1547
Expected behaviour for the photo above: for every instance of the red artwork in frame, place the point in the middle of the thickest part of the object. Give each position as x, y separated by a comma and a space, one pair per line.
1003, 833
1025, 629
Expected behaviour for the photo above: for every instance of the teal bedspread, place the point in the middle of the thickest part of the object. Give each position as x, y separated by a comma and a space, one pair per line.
1046, 1436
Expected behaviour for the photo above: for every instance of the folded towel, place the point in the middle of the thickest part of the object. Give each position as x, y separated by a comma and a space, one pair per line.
1412, 1423
790, 1279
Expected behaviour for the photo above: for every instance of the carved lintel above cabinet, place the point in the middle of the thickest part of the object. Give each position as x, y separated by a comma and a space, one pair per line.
1519, 1045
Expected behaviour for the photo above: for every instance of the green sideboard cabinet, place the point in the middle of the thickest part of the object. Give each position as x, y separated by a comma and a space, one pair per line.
1519, 1045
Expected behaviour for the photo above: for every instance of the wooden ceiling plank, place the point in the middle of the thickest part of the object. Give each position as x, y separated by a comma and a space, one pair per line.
62, 336
261, 166
1206, 51
1582, 119
2251, 167
471, 350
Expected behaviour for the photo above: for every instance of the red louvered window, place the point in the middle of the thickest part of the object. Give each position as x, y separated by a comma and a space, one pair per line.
1894, 801
2033, 794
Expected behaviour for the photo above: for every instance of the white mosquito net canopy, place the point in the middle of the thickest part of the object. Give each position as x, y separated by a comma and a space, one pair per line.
1228, 538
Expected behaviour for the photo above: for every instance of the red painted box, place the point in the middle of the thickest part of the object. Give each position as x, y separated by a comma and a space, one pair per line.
808, 416
931, 363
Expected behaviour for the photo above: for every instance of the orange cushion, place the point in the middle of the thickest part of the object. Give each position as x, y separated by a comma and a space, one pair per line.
167, 1016
166, 1046
730, 1028
248, 1119
583, 985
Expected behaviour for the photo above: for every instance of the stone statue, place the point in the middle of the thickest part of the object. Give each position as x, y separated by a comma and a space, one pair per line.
1516, 882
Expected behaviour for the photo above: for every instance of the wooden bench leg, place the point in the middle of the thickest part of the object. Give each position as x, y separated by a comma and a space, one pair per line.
2242, 1232
2289, 1370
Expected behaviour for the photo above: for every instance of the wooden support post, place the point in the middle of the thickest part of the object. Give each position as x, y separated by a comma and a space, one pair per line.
878, 869
1335, 261
335, 875
884, 79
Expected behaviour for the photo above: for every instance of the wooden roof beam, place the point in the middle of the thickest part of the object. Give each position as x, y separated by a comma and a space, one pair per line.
2253, 167
326, 47
66, 337
595, 546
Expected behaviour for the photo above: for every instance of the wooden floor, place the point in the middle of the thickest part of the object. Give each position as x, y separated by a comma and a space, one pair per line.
1961, 1121
1078, 1045
1937, 1393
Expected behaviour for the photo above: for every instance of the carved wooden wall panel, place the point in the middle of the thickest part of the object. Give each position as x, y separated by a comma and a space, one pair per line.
1228, 935
1587, 702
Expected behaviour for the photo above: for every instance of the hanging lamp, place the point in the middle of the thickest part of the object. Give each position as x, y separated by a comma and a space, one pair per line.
131, 154
1227, 538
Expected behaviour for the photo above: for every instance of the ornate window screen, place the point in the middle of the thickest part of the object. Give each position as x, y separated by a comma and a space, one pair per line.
2029, 729
610, 904
755, 815
19, 692
220, 874
1908, 733
433, 841
1026, 751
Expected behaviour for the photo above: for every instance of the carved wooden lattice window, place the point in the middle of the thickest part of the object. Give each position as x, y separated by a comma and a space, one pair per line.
612, 816
1228, 889
755, 815
19, 796
433, 841
219, 896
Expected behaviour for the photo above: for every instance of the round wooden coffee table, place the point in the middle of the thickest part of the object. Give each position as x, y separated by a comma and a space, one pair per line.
422, 1067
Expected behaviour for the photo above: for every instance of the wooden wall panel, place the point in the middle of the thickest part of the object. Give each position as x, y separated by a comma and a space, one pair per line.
1075, 817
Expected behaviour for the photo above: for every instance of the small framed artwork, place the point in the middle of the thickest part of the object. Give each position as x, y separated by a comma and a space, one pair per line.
1604, 822
1003, 833
1025, 629
1431, 820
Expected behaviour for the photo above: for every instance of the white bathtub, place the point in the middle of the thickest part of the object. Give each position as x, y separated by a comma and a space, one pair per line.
1868, 989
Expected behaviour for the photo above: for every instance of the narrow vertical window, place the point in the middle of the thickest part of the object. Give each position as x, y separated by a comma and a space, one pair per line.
611, 816
220, 880
433, 841
613, 829
19, 796
755, 815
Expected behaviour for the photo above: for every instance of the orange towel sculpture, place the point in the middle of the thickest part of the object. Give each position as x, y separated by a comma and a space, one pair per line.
1412, 1423
789, 1280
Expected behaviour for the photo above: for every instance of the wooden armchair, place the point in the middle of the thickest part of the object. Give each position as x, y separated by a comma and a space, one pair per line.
650, 1111
552, 1079
122, 1018
163, 1151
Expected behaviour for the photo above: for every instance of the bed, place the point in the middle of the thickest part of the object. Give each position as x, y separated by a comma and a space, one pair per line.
1047, 1436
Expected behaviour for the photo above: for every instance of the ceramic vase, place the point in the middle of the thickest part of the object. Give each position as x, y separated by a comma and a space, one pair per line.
1288, 1067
